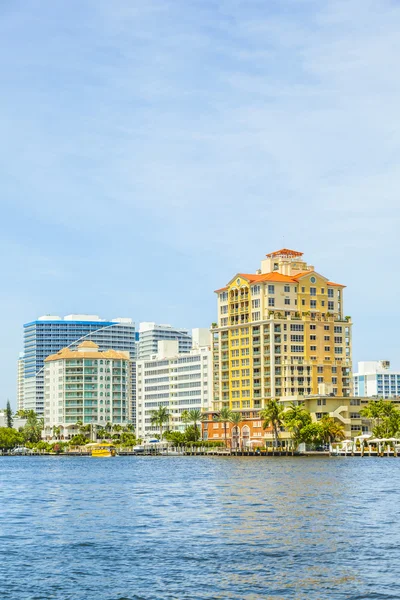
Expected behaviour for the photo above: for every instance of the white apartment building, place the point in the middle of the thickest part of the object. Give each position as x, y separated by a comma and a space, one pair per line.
20, 381
86, 385
152, 333
178, 381
376, 379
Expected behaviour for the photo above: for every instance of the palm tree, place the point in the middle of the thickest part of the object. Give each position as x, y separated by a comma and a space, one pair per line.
296, 417
272, 416
224, 417
332, 431
33, 428
193, 416
373, 411
56, 431
236, 419
159, 417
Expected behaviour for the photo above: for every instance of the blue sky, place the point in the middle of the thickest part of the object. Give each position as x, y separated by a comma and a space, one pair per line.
153, 149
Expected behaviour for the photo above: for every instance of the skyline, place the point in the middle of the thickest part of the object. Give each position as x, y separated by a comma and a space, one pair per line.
154, 152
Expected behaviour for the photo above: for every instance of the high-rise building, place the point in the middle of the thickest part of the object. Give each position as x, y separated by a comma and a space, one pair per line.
20, 381
49, 334
175, 380
86, 385
281, 332
152, 333
376, 379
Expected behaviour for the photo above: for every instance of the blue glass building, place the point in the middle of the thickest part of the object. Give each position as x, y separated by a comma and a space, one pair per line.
49, 334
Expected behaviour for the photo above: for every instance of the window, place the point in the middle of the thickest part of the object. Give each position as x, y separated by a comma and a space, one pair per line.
296, 327
330, 293
327, 338
276, 266
338, 329
297, 338
271, 301
303, 302
297, 348
338, 339
313, 337
303, 290
326, 327
255, 290
313, 304
338, 350
320, 369
287, 300
313, 327
334, 381
255, 303
321, 401
322, 291
286, 289
331, 305
313, 348
256, 316
327, 349
313, 291
322, 302
271, 289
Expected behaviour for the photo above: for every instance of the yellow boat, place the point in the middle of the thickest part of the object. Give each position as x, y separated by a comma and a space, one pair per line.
102, 450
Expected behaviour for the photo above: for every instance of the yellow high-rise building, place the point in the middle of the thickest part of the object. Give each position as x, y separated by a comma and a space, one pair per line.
280, 332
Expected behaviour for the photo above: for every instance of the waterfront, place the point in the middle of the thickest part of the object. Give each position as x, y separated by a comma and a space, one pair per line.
193, 528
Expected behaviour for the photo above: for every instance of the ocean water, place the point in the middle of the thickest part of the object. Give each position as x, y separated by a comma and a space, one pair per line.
149, 528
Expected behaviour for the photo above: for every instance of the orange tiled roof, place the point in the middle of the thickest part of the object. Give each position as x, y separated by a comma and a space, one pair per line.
66, 353
285, 252
273, 276
336, 284
298, 275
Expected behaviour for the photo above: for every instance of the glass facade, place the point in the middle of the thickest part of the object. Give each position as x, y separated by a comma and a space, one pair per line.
45, 337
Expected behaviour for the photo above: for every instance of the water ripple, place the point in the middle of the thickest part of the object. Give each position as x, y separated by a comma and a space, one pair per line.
199, 528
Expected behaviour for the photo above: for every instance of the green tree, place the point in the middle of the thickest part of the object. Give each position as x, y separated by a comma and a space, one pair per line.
78, 440
384, 415
32, 431
9, 438
9, 417
224, 417
272, 416
159, 417
312, 434
236, 418
331, 430
195, 416
56, 431
296, 417
176, 437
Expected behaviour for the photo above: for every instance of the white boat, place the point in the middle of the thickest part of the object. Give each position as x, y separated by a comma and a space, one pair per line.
172, 452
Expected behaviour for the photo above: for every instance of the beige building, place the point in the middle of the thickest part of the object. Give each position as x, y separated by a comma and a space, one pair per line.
86, 385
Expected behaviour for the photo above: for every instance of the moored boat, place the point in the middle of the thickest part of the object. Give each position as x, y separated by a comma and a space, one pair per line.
102, 450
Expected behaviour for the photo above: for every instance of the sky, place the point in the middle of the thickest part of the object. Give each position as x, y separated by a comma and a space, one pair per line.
152, 150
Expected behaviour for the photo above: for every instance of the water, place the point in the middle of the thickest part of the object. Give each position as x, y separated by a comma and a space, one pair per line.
150, 528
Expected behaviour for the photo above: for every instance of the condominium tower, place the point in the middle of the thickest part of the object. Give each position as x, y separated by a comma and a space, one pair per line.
152, 333
375, 378
175, 380
49, 334
280, 332
86, 385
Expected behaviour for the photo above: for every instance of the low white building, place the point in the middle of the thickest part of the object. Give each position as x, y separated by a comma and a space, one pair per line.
86, 385
177, 381
18, 423
376, 379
